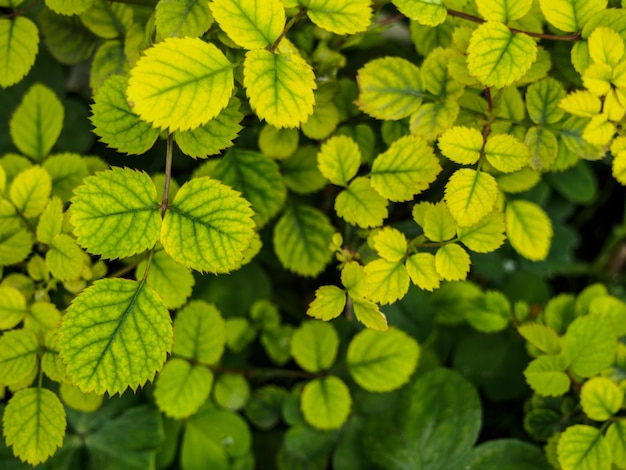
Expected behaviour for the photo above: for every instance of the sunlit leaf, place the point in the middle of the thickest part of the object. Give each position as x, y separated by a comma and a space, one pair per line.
601, 398
340, 16
182, 18
471, 196
360, 204
546, 375
543, 337
387, 281
329, 303
326, 402
314, 345
172, 281
589, 345
529, 229
507, 153
423, 271
369, 314
19, 43
570, 15
181, 388
486, 236
452, 262
339, 159
461, 144
503, 10
582, 447
30, 191
12, 307
64, 258
426, 12
18, 356
200, 333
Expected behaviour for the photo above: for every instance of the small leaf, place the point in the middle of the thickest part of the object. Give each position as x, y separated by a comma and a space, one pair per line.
252, 24
36, 124
116, 334
489, 313
18, 356
438, 223
68, 39
581, 103
67, 171
601, 398
50, 221
503, 11
589, 345
506, 153
172, 281
369, 314
486, 236
180, 84
108, 21
340, 16
231, 391
422, 271
390, 88
69, 7
329, 303
30, 191
200, 333
278, 143
426, 12
615, 437
339, 159
542, 101
270, 81
300, 172
115, 213
529, 229
461, 144
64, 258
382, 361
452, 262
387, 281
326, 402
15, 244
471, 196
582, 447
208, 226
543, 337
570, 15
12, 307
182, 18
543, 147
19, 41
431, 119
390, 244
498, 57
314, 345
181, 388
361, 205
34, 424
546, 376
353, 278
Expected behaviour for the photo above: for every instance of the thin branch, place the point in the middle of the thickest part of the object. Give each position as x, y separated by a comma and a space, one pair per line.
168, 173
287, 27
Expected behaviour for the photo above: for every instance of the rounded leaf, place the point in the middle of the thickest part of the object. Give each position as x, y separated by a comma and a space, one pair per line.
172, 281
181, 388
546, 376
326, 402
452, 262
360, 204
12, 307
589, 345
64, 258
329, 302
339, 159
182, 18
503, 11
582, 447
461, 144
314, 345
471, 196
390, 244
340, 16
426, 12
570, 15
231, 391
18, 356
19, 41
506, 153
200, 333
422, 271
486, 236
30, 191
387, 281
529, 229
601, 398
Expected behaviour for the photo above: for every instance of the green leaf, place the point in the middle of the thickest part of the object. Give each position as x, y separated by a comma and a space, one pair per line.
542, 101
30, 191
512, 454
578, 184
461, 144
12, 307
546, 376
486, 236
19, 43
582, 447
115, 122
543, 147
497, 56
34, 424
438, 223
276, 344
258, 179
518, 181
390, 88
326, 402
50, 221
265, 315
198, 450
437, 78
382, 361
181, 388
15, 244
369, 314
224, 428
280, 87
180, 84
115, 213
601, 398
431, 119
42, 318
570, 15
452, 262
116, 334
208, 226
340, 16
490, 313
67, 171
67, 38
182, 18
329, 302
529, 229
172, 281
278, 143
37, 122
422, 271
503, 11
405, 169
471, 196
69, 7
589, 345
339, 159
390, 244
64, 258
506, 153
108, 21
543, 337
612, 310
301, 239
251, 24
426, 12
214, 136
18, 356
200, 333
360, 204
314, 345
615, 437
109, 60
387, 281
265, 406
231, 391
300, 172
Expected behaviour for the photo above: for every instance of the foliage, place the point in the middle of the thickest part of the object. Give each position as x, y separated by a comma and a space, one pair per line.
355, 234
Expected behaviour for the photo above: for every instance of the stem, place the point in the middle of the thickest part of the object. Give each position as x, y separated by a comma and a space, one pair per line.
168, 173
148, 264
287, 27
146, 3
23, 11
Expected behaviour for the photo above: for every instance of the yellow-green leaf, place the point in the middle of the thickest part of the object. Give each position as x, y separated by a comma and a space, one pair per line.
278, 143
326, 402
18, 356
452, 262
340, 16
616, 439
546, 376
180, 18
69, 7
486, 236
51, 221
422, 271
506, 153
390, 244
12, 307
589, 345
497, 56
461, 144
74, 398
19, 43
314, 345
570, 15
360, 204
252, 24
200, 333
582, 447
30, 191
329, 302
339, 159
387, 281
581, 103
369, 314
503, 11
543, 337
34, 424
300, 171
601, 398
181, 388
64, 258
172, 281
542, 101
108, 20
15, 244
529, 229
67, 171
353, 278
606, 46
431, 119
471, 196
180, 84
438, 223
426, 12
280, 87
543, 147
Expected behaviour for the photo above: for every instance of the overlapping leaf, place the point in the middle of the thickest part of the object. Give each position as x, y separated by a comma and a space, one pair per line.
583, 446
200, 333
546, 375
19, 43
108, 21
503, 11
452, 262
12, 307
300, 171
589, 345
15, 244
30, 191
182, 18
339, 159
387, 281
172, 281
529, 229
486, 236
426, 12
67, 171
69, 7
50, 221
329, 303
570, 15
507, 153
64, 258
423, 271
471, 196
461, 144
340, 16
18, 356
360, 204
601, 398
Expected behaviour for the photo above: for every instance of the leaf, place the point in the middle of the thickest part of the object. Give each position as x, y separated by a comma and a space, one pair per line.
542, 101
503, 11
570, 15
390, 88
182, 18
360, 204
498, 57
543, 337
329, 303
251, 24
37, 122
42, 319
382, 361
490, 313
200, 333
452, 262
258, 179
301, 239
529, 229
231, 391
431, 119
224, 428
214, 136
12, 307
115, 213
369, 314
18, 356
326, 402
19, 43
15, 245
518, 181
116, 334
67, 38
426, 12
353, 278
67, 171
612, 310
486, 236
437, 78
108, 21
180, 84
340, 16
50, 221
615, 437
169, 279
471, 196
34, 424
69, 7
461, 144
438, 223
64, 258
422, 271
512, 454
390, 244
582, 447
314, 345
581, 103
208, 226
543, 147
115, 122
601, 398
265, 315
405, 169
181, 388
278, 143
30, 191
387, 281
339, 159
280, 87
589, 345
300, 172
546, 375
506, 153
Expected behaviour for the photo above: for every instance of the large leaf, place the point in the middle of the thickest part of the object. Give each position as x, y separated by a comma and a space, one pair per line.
34, 424
180, 84
115, 213
326, 402
280, 87
314, 345
340, 16
200, 333
182, 18
181, 388
582, 447
529, 229
471, 196
19, 43
570, 15
116, 334
208, 226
